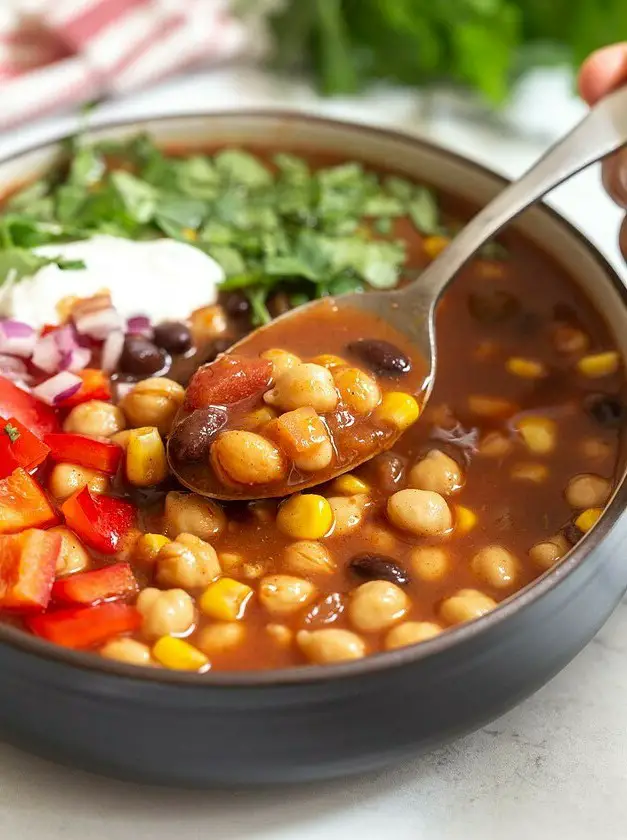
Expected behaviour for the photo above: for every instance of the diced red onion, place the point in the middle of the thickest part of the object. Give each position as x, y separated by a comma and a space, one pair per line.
14, 369
16, 338
58, 388
59, 350
111, 351
99, 324
139, 325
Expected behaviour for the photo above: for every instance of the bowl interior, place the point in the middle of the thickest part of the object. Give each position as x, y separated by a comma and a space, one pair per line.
420, 161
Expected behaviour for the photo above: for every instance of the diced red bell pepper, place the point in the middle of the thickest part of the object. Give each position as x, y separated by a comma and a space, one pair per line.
84, 451
100, 521
19, 447
85, 627
23, 504
227, 380
34, 414
114, 581
27, 568
96, 386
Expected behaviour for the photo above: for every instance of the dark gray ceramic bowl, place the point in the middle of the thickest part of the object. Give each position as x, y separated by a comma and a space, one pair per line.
316, 722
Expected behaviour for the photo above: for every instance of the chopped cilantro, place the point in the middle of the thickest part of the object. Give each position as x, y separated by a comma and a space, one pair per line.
12, 432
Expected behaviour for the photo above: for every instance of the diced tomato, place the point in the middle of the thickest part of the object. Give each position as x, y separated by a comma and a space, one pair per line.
35, 415
114, 581
100, 521
23, 504
84, 451
85, 627
19, 447
27, 569
227, 380
95, 386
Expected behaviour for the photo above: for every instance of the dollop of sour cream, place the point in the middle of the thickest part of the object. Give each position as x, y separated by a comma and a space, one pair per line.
162, 279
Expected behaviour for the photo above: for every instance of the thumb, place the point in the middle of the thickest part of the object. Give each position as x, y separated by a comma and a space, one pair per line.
602, 72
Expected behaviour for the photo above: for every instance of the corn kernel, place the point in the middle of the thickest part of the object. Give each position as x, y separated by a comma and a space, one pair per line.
598, 364
588, 518
490, 269
280, 634
146, 462
225, 599
179, 655
485, 350
349, 485
538, 433
486, 406
65, 306
434, 245
305, 517
190, 234
121, 438
398, 409
148, 547
329, 361
525, 368
465, 519
529, 472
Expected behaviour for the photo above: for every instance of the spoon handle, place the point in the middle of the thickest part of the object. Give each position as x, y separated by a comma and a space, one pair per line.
602, 131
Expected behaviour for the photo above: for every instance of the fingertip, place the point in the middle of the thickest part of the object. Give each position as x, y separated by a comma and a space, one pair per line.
602, 72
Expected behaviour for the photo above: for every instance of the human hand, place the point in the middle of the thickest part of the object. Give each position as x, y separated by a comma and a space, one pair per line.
601, 73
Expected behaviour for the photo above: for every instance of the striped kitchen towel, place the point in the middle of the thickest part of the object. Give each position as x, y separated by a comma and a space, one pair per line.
55, 54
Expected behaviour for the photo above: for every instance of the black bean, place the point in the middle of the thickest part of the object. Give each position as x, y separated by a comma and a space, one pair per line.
382, 357
572, 533
236, 304
173, 336
191, 437
278, 304
608, 412
378, 567
493, 307
141, 357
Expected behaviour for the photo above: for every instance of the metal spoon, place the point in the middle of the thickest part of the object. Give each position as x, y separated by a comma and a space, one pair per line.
411, 310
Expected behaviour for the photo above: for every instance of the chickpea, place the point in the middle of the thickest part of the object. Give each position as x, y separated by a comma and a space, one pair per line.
127, 650
569, 339
437, 472
188, 562
330, 645
421, 512
280, 634
95, 418
307, 557
72, 557
587, 490
284, 594
208, 323
247, 458
380, 539
153, 402
595, 449
191, 514
237, 566
66, 479
377, 605
281, 361
411, 633
546, 554
221, 637
496, 566
165, 612
358, 391
317, 458
430, 562
495, 445
349, 512
466, 605
306, 385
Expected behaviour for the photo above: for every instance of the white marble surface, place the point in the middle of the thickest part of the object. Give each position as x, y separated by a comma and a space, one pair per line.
554, 767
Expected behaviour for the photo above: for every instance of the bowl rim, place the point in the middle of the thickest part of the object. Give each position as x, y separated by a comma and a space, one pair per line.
377, 662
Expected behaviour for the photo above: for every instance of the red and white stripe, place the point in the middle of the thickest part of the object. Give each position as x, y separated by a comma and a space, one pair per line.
71, 51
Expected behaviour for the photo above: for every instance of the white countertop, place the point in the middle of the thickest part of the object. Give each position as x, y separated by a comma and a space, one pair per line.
554, 767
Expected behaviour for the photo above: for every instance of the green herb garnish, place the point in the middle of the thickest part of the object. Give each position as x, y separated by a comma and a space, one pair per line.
12, 432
